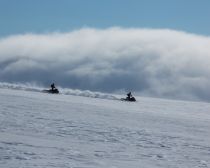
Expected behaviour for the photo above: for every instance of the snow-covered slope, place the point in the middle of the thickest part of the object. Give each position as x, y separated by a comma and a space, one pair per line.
39, 130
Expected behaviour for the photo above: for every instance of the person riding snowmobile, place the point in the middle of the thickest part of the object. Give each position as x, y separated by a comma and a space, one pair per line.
53, 86
129, 98
129, 95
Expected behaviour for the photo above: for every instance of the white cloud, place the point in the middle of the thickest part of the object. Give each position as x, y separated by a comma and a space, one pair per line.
154, 62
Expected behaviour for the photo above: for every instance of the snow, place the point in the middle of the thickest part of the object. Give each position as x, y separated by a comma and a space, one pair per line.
39, 130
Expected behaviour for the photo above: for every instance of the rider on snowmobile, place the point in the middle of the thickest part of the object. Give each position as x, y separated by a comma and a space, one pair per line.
53, 86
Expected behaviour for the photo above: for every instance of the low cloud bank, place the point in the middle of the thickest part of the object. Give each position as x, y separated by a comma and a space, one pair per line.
150, 62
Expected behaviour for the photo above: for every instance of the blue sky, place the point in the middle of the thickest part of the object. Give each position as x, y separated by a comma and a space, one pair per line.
41, 16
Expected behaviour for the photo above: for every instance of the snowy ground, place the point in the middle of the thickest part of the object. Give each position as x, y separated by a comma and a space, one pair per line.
39, 130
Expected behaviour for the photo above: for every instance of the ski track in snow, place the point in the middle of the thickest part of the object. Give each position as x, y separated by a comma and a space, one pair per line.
42, 130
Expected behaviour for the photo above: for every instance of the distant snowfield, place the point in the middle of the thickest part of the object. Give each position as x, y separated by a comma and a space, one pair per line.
39, 130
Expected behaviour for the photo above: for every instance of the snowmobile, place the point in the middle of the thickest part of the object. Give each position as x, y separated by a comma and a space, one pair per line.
52, 91
131, 99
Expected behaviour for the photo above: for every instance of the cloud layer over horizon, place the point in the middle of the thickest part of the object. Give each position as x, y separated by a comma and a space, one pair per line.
151, 62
